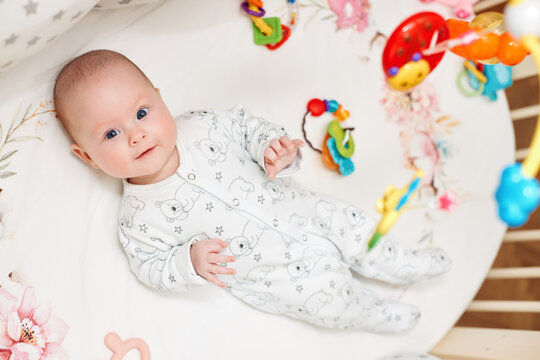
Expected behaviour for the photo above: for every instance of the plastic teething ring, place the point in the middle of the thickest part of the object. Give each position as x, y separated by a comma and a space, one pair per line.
286, 33
465, 91
245, 7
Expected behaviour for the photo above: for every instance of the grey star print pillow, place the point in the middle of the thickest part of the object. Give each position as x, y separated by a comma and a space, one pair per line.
30, 25
114, 4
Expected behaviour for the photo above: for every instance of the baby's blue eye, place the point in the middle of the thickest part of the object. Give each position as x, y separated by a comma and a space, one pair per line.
111, 133
142, 113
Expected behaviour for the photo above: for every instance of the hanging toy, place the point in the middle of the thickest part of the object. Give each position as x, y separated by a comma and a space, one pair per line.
270, 31
485, 79
418, 44
338, 145
493, 43
404, 63
518, 194
392, 204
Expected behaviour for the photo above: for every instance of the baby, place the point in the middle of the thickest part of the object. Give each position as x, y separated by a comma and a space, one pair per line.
207, 199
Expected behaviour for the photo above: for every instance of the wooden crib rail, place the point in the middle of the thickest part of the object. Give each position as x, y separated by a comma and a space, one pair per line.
488, 344
477, 343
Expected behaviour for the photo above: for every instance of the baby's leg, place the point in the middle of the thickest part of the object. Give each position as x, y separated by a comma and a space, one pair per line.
331, 297
390, 262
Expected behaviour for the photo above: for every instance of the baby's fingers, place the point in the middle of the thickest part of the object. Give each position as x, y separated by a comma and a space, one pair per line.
214, 258
298, 142
286, 142
270, 154
214, 280
217, 269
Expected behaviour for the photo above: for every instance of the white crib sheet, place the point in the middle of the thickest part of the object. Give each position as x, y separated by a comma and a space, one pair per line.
200, 54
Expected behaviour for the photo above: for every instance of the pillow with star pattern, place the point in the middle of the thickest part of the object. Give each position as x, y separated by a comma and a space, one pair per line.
114, 4
31, 25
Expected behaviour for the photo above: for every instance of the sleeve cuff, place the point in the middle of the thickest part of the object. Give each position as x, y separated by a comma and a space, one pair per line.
185, 267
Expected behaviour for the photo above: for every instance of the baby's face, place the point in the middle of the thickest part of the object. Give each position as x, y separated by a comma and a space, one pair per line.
121, 124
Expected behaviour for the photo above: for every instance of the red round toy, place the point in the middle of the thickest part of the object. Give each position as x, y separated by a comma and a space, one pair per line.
403, 62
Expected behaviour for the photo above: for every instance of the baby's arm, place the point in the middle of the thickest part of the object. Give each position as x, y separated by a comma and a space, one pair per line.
268, 144
160, 265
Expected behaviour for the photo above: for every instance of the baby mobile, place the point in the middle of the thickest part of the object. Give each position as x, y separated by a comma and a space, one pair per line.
270, 31
418, 44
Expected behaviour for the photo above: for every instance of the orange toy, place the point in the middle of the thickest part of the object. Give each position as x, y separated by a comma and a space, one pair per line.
492, 46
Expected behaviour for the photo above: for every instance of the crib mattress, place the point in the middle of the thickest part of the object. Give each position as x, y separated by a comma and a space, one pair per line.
201, 54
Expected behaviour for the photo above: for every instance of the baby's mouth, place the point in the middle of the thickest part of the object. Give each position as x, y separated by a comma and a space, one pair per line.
144, 153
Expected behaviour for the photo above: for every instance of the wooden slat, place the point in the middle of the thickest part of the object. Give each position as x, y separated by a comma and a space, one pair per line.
525, 112
522, 235
528, 272
524, 69
505, 306
486, 4
492, 344
521, 154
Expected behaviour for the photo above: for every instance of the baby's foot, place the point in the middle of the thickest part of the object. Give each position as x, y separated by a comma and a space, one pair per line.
396, 317
388, 261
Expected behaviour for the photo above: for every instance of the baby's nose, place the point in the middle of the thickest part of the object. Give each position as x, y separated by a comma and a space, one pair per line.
137, 136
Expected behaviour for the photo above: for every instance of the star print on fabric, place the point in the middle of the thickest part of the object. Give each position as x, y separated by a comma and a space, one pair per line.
268, 283
332, 284
228, 288
178, 229
241, 112
265, 137
214, 123
288, 255
219, 230
336, 319
257, 257
10, 40
341, 231
259, 138
261, 199
209, 206
31, 7
299, 288
358, 238
76, 15
243, 161
218, 176
293, 194
224, 265
327, 267
33, 41
171, 278
58, 15
143, 228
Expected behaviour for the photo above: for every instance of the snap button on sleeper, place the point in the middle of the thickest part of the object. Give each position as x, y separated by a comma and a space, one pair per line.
275, 222
191, 176
236, 202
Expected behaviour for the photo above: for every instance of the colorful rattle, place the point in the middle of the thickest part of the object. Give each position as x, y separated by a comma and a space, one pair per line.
418, 44
392, 204
338, 144
269, 31
518, 194
485, 79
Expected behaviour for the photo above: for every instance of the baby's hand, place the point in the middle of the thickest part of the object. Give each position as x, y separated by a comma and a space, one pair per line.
205, 257
280, 154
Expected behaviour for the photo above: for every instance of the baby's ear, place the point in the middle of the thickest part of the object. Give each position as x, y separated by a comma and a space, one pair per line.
83, 155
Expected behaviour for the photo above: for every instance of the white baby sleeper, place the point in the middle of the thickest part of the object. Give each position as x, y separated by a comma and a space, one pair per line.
294, 248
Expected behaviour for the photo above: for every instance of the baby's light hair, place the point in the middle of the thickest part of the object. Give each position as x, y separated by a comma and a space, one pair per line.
80, 69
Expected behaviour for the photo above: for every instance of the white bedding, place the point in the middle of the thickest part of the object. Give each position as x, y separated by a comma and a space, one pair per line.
201, 54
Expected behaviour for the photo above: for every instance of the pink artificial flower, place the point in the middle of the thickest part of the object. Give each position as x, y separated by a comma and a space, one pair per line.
414, 109
29, 331
350, 13
448, 201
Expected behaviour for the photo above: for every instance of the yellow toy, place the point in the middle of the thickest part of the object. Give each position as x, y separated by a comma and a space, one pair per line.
392, 204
